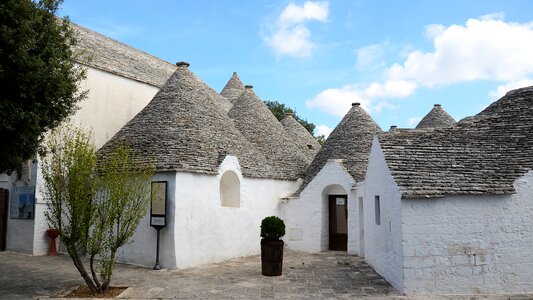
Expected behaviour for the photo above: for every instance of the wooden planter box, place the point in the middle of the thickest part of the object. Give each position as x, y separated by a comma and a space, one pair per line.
271, 257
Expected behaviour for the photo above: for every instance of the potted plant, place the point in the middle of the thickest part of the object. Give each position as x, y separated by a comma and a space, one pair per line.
272, 229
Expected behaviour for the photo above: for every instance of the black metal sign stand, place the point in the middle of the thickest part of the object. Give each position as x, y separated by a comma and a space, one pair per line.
157, 266
158, 213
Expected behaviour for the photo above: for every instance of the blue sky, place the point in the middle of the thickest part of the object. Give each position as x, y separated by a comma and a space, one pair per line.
397, 58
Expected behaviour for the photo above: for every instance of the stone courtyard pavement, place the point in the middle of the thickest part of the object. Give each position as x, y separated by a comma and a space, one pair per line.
328, 275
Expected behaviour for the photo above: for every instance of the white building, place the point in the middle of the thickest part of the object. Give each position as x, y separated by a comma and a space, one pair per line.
450, 210
444, 208
121, 80
226, 171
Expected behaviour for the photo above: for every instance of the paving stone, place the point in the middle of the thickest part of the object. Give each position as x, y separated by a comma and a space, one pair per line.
24, 276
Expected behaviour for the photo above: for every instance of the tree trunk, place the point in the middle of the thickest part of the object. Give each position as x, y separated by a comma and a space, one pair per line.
79, 265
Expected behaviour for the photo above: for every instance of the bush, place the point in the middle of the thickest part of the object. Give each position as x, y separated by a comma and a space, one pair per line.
272, 228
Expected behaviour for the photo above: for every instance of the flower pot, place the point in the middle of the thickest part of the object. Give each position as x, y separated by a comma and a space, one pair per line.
271, 257
52, 234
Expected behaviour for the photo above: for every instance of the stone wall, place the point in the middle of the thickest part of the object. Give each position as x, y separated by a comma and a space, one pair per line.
382, 243
470, 244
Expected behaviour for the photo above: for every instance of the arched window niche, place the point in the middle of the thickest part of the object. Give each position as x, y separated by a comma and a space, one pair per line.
230, 190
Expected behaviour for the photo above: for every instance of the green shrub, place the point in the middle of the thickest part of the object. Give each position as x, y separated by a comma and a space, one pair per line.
272, 228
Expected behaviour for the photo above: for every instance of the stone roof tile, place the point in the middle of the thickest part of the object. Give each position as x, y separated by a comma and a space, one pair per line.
233, 89
184, 128
259, 126
481, 155
307, 144
436, 118
109, 55
351, 141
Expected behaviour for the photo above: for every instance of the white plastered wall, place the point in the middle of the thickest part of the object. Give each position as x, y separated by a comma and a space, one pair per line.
112, 101
142, 249
382, 243
204, 231
306, 217
470, 244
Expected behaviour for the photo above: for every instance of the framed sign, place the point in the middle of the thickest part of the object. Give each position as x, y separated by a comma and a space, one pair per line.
158, 210
23, 203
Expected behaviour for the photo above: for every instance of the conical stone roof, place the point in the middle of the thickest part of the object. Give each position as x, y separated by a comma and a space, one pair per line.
255, 121
351, 141
184, 128
233, 88
436, 118
302, 138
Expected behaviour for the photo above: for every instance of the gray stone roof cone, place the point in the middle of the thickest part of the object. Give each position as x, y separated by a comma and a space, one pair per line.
253, 118
184, 128
351, 141
233, 89
436, 118
303, 139
481, 155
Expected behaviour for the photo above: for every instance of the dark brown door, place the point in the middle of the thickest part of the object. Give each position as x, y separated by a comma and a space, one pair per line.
338, 222
3, 219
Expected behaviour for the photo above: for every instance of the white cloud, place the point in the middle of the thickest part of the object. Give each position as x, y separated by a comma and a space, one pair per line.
309, 11
370, 56
338, 101
486, 48
323, 130
411, 122
290, 36
504, 88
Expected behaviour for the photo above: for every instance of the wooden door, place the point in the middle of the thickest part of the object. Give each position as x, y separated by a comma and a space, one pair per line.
3, 218
338, 222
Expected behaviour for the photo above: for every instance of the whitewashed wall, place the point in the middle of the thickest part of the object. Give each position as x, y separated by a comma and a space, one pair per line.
382, 243
142, 249
208, 232
112, 101
470, 244
307, 217
200, 230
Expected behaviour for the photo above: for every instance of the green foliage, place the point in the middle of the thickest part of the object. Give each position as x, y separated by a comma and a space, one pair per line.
272, 228
38, 76
279, 110
321, 139
95, 207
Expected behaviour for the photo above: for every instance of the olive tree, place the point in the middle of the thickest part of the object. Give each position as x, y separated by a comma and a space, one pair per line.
96, 205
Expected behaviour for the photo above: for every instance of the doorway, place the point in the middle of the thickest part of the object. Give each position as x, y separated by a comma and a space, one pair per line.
3, 218
338, 222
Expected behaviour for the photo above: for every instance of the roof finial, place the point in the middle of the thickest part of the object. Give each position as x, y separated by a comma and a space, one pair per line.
436, 105
248, 86
183, 63
356, 103
235, 73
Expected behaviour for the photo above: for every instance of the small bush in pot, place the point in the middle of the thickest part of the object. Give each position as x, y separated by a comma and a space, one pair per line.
272, 229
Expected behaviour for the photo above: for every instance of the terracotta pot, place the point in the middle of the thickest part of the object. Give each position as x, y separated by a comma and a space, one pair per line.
52, 234
271, 257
